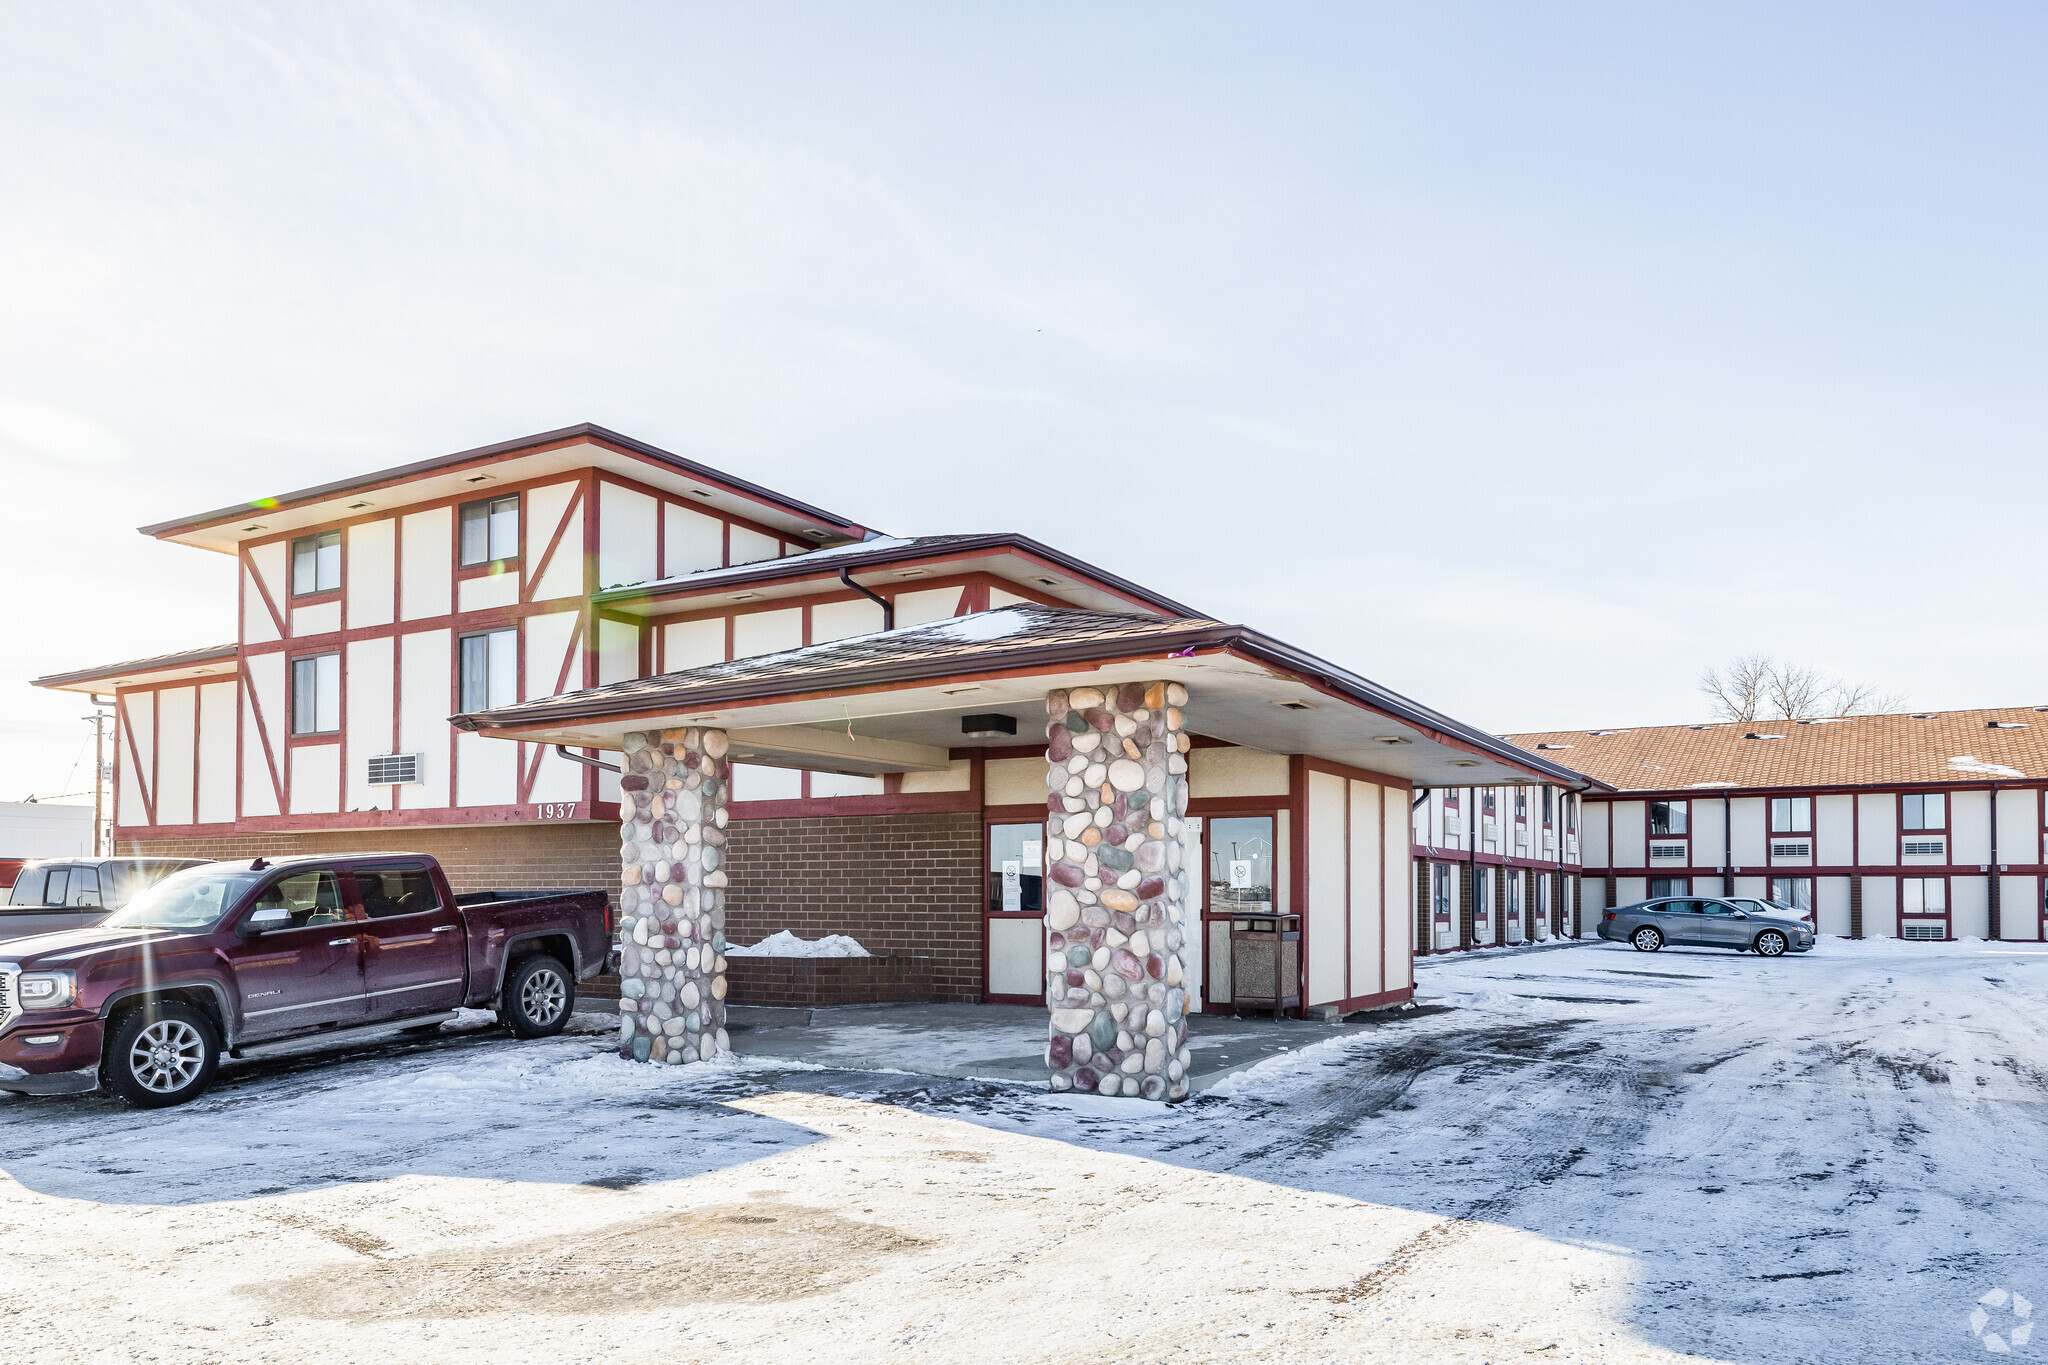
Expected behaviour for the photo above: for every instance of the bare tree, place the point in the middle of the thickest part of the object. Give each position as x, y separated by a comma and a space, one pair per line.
1759, 687
1739, 691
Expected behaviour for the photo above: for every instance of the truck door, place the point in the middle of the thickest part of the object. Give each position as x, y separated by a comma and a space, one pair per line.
307, 972
413, 943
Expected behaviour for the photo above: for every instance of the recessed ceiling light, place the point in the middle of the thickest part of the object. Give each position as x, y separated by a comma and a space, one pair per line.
744, 596
1044, 582
1464, 763
255, 528
1294, 704
701, 492
956, 691
359, 506
913, 573
483, 478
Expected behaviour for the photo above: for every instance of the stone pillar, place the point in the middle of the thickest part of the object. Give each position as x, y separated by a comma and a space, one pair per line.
672, 846
1117, 903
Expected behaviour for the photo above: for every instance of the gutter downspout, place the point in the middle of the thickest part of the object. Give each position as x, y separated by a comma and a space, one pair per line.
1995, 883
888, 608
1428, 910
1727, 847
586, 762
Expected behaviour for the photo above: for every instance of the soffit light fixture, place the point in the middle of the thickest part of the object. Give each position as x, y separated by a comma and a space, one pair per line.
988, 725
1464, 763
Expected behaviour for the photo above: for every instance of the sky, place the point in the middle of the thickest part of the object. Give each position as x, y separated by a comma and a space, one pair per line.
1525, 359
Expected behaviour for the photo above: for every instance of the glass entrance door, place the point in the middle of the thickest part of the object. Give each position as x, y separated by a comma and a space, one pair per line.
1240, 883
1014, 914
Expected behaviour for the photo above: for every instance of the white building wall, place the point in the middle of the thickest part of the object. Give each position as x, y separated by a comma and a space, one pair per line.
1834, 830
562, 573
177, 720
767, 632
372, 584
1750, 819
426, 694
844, 620
1629, 848
315, 779
2019, 911
1969, 906
1881, 907
369, 665
1593, 818
1236, 772
1877, 815
751, 547
695, 541
1969, 827
1831, 905
426, 550
1328, 853
217, 752
1368, 929
692, 644
2019, 826
628, 524
45, 829
1708, 823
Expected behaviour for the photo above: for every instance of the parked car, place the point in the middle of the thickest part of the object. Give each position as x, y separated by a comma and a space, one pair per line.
1699, 921
74, 893
245, 957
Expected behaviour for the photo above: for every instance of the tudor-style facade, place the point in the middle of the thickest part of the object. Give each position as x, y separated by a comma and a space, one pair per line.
1496, 866
1921, 826
577, 562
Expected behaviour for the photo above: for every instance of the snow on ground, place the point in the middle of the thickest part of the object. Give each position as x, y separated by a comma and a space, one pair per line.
1572, 1153
783, 943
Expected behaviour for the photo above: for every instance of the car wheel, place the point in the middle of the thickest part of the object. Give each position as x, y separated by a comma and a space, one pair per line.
1646, 939
1770, 943
539, 995
162, 1053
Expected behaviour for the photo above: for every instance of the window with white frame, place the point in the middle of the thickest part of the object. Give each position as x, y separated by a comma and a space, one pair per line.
490, 530
316, 694
1667, 819
1923, 811
1796, 892
1923, 895
1791, 815
1521, 803
1549, 806
1670, 886
316, 563
490, 670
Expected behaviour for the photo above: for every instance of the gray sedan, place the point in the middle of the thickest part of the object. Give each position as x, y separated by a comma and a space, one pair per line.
1702, 922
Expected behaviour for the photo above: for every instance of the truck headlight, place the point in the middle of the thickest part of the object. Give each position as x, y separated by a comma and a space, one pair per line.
46, 990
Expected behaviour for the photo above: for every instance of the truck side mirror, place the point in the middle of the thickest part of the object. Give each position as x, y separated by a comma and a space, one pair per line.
270, 917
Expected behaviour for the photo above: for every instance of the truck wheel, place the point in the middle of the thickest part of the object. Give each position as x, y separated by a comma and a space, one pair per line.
162, 1053
539, 994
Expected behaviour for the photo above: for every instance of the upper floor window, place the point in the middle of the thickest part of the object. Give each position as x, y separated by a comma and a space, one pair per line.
316, 563
1667, 818
1549, 806
1791, 815
316, 694
1521, 803
1928, 811
490, 530
1571, 814
1450, 800
490, 670
1486, 802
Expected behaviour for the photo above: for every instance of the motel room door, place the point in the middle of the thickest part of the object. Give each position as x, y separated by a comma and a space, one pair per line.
1013, 915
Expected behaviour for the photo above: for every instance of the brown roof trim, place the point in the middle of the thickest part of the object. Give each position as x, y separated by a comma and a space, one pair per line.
581, 431
211, 654
1148, 641
827, 564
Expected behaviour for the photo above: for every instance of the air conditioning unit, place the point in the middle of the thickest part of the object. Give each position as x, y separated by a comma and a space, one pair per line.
395, 770
1454, 825
1924, 929
1667, 850
1799, 850
1923, 847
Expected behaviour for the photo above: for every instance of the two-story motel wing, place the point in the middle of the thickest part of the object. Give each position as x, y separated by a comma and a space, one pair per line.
569, 594
1919, 826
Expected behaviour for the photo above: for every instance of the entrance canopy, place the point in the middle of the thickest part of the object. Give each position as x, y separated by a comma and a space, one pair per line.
901, 701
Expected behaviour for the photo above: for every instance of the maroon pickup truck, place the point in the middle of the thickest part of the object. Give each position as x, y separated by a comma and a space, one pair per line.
245, 957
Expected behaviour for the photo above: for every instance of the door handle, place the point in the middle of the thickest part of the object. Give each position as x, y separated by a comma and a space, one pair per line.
337, 942
444, 928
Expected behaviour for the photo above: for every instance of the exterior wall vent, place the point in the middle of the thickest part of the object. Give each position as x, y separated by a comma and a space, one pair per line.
1667, 850
395, 770
1913, 848
1798, 850
1924, 929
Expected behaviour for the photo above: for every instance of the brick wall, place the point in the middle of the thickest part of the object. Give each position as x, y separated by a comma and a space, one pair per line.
540, 857
906, 884
898, 883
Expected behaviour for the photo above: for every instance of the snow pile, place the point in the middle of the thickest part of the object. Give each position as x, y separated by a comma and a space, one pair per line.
1970, 763
786, 944
982, 626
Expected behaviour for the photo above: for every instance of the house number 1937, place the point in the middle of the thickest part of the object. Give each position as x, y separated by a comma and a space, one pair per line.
557, 811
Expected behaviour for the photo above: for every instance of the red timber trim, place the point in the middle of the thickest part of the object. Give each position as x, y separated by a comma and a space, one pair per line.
248, 686
147, 789
450, 817
1297, 867
255, 575
1373, 1002
529, 773
662, 501
547, 556
1322, 765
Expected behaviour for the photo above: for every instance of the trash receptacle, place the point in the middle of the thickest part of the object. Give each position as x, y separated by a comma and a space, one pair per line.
1265, 962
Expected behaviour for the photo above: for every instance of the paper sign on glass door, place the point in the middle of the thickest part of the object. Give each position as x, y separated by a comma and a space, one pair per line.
1240, 873
1013, 886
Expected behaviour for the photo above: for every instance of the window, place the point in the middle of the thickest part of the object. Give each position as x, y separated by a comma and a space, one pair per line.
1791, 815
28, 887
85, 889
1486, 802
1923, 895
316, 563
316, 694
312, 898
1440, 889
1794, 893
1669, 886
407, 889
490, 670
1549, 809
1925, 812
1521, 803
490, 530
1667, 818
1571, 814
1016, 869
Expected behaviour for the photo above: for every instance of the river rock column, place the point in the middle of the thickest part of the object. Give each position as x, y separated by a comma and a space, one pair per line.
1117, 914
672, 844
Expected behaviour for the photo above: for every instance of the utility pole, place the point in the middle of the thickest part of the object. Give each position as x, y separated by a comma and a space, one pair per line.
99, 780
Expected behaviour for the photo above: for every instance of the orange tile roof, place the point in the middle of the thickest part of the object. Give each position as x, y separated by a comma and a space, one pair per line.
1859, 751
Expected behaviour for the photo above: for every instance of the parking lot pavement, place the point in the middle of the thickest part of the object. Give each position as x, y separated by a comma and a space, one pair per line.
1590, 1154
